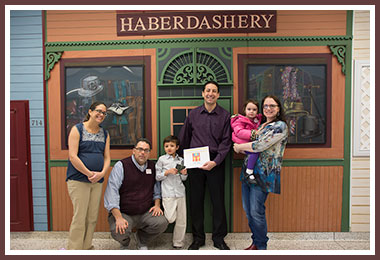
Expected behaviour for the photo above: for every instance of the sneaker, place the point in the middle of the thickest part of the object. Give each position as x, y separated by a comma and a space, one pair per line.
139, 245
118, 108
123, 247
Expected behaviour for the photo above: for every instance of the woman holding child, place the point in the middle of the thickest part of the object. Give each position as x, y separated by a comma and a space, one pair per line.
270, 142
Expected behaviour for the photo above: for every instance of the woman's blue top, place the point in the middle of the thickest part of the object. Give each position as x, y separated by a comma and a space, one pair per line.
90, 152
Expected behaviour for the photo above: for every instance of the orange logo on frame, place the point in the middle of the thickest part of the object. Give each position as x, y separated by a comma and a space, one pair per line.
196, 157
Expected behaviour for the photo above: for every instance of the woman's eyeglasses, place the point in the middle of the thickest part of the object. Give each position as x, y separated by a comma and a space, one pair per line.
271, 106
101, 112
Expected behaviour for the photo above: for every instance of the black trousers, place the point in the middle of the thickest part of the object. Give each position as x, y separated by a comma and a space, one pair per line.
215, 182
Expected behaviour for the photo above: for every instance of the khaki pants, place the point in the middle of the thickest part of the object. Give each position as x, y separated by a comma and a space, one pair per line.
86, 200
175, 210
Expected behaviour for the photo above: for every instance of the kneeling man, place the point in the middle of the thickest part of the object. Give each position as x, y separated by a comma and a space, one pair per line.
133, 198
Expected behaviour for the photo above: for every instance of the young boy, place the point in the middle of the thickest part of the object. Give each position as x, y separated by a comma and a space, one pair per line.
171, 173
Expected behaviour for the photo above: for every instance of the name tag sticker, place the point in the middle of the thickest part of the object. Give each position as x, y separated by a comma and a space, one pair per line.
148, 171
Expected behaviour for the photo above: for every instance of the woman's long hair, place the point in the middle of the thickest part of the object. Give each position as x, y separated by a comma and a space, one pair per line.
92, 108
280, 115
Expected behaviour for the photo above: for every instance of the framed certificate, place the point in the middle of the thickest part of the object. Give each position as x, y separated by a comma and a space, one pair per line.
196, 157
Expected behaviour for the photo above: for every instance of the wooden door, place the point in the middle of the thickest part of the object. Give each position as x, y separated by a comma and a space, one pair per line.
21, 203
171, 117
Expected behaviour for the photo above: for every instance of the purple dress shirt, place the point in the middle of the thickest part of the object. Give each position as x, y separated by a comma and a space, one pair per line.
213, 129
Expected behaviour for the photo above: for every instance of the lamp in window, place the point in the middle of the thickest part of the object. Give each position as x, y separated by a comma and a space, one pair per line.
310, 122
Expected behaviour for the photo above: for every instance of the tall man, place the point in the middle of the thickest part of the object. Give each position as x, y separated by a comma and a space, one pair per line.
208, 125
133, 198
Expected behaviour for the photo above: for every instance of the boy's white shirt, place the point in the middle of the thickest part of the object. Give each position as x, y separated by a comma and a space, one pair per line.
171, 185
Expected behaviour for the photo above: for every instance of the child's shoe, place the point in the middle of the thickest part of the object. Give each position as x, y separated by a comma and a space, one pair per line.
248, 175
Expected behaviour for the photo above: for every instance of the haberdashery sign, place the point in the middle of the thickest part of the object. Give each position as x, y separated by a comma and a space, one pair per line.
193, 22
196, 157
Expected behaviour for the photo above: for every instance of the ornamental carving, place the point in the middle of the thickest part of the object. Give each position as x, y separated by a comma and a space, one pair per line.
195, 67
51, 59
340, 52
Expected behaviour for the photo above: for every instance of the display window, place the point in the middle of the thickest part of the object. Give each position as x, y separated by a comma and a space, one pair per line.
303, 85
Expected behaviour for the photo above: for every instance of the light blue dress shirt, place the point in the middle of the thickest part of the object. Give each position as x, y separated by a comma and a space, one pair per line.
112, 196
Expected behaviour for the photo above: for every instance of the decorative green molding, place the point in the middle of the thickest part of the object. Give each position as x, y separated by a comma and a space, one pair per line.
225, 52
193, 67
340, 52
162, 53
196, 40
51, 59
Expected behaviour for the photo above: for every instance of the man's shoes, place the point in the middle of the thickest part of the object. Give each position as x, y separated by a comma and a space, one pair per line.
196, 245
221, 246
142, 247
251, 247
123, 247
139, 245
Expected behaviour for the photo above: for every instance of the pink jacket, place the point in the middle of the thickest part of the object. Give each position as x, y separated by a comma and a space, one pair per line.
242, 127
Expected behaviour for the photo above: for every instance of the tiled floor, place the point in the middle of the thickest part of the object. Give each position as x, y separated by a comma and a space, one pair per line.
236, 241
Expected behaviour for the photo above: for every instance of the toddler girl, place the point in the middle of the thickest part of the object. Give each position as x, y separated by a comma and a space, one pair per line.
244, 130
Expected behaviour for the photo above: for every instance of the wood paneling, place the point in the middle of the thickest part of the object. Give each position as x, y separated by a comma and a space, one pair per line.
360, 195
360, 173
310, 201
84, 25
61, 206
361, 40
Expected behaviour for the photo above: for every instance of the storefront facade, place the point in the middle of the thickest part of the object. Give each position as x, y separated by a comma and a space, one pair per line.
150, 68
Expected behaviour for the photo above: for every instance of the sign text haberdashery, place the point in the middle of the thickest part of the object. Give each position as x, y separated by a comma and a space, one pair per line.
149, 23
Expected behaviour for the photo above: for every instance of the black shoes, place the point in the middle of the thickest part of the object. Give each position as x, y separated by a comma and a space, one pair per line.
196, 245
221, 246
250, 178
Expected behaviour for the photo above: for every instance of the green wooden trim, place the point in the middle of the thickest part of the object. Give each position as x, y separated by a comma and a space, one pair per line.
162, 54
50, 202
63, 163
165, 68
345, 225
349, 20
225, 52
45, 25
189, 73
194, 42
51, 59
229, 80
190, 85
340, 52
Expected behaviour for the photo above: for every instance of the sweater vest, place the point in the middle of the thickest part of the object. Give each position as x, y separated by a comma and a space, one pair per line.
136, 191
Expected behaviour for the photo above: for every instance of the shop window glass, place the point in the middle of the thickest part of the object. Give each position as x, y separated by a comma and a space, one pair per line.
303, 90
178, 117
119, 87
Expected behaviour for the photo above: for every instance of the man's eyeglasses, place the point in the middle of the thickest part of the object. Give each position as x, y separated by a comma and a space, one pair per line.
142, 150
101, 112
271, 106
